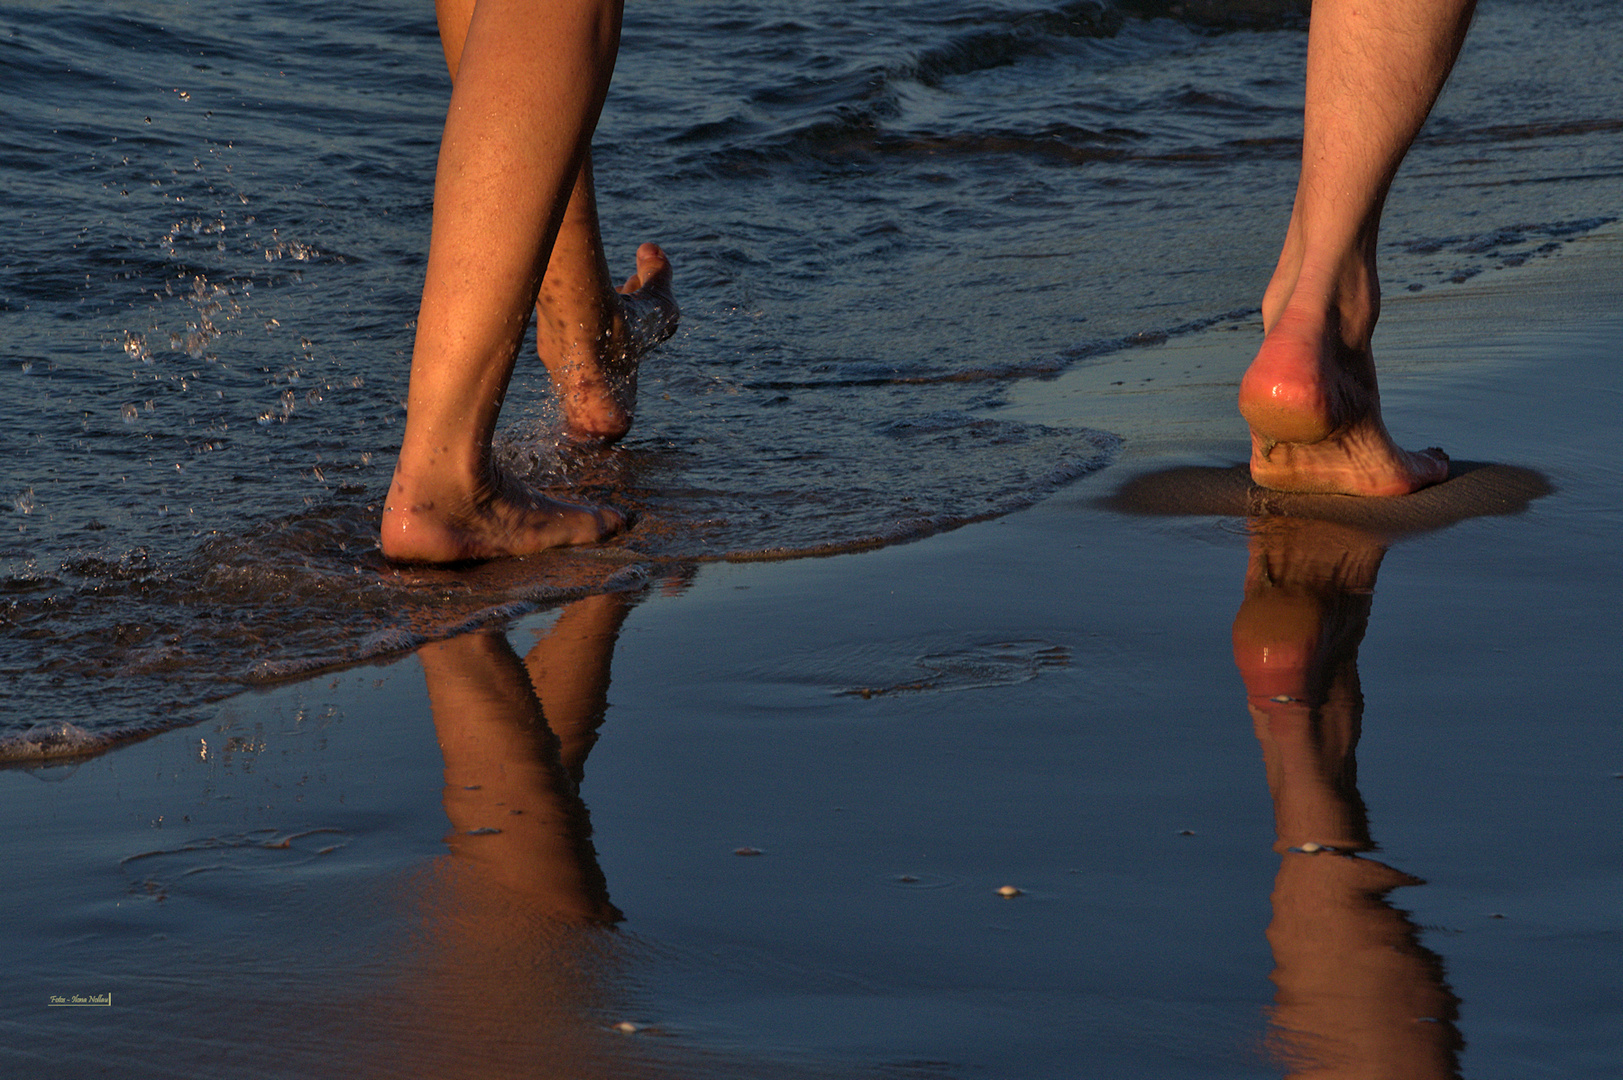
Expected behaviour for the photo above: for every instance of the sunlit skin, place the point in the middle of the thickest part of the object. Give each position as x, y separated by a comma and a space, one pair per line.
1374, 70
1358, 996
514, 230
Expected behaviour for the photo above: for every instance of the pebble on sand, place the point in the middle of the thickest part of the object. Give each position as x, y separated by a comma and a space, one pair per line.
1008, 890
748, 851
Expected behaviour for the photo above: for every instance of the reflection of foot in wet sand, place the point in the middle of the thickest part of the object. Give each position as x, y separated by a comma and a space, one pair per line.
1296, 640
518, 823
1310, 395
515, 229
1358, 995
512, 970
569, 668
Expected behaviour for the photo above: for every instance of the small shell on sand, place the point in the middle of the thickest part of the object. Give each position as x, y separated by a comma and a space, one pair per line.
1308, 848
748, 851
1008, 890
626, 1027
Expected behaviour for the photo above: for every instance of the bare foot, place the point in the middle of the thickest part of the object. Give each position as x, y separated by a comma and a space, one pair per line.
434, 521
1315, 414
593, 338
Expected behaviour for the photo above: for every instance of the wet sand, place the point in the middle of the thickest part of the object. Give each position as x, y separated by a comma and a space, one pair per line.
1339, 790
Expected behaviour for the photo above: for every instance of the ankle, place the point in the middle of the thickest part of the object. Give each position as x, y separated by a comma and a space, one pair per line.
577, 317
440, 481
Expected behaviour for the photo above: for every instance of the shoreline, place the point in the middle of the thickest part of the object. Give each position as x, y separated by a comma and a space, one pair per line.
1048, 700
1172, 396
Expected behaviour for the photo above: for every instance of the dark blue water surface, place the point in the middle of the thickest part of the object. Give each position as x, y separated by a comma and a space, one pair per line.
213, 220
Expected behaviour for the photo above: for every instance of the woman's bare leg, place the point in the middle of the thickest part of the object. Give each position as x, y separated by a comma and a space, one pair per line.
530, 78
590, 332
1375, 67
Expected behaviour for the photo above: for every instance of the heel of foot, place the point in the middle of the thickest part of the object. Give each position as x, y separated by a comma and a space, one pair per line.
1274, 424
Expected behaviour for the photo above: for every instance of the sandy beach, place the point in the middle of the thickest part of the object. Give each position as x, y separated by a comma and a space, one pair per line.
1338, 788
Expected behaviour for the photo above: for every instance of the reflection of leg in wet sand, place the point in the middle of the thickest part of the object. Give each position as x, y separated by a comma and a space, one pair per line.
569, 667
515, 228
517, 817
515, 974
1358, 995
1374, 69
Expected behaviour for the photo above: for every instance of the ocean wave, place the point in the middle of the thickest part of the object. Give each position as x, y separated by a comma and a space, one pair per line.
857, 112
56, 741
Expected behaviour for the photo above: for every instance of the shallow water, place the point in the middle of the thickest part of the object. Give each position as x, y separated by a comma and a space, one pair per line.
882, 218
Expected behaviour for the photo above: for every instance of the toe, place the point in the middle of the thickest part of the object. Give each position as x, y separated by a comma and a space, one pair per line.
653, 267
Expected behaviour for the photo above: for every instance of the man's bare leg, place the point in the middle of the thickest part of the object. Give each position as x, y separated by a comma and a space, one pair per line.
1374, 69
590, 334
531, 78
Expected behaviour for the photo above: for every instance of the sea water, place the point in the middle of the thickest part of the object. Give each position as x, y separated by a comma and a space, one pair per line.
213, 223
